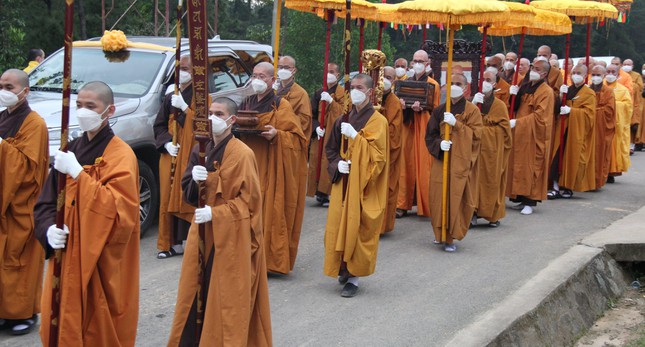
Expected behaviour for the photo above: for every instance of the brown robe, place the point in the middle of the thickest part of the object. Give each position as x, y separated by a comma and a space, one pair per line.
355, 221
99, 303
332, 112
282, 165
237, 301
496, 144
24, 154
392, 111
604, 129
502, 91
416, 162
299, 101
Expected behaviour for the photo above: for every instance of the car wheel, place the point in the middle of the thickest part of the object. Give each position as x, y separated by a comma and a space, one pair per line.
148, 197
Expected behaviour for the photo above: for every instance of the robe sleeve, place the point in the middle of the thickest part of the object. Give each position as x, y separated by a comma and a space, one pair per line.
395, 123
18, 163
45, 211
160, 127
371, 144
332, 149
433, 135
190, 187
315, 122
584, 114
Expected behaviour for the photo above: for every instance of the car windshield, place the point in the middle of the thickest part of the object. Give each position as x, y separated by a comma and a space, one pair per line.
129, 74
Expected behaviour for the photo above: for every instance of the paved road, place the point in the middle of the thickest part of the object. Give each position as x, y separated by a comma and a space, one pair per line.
419, 295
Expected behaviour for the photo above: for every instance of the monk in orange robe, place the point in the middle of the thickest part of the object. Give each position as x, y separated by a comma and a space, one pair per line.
620, 161
99, 282
281, 153
578, 158
637, 84
496, 143
236, 311
392, 111
509, 67
605, 123
358, 152
334, 98
24, 154
533, 127
294, 93
494, 64
465, 123
623, 77
414, 183
401, 69
555, 79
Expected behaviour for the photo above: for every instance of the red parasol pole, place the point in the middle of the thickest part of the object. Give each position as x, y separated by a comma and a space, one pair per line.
588, 49
348, 107
323, 107
425, 34
361, 42
381, 26
564, 103
175, 111
482, 63
517, 71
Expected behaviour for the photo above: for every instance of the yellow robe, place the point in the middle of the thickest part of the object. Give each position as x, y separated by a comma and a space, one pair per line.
299, 101
502, 91
394, 114
620, 161
605, 129
637, 113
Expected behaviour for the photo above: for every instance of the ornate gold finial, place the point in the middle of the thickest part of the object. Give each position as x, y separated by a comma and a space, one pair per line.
373, 64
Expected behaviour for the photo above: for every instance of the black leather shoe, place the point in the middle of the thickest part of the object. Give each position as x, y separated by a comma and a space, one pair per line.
24, 326
349, 290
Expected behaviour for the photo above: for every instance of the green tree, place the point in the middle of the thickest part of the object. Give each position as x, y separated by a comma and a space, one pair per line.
12, 35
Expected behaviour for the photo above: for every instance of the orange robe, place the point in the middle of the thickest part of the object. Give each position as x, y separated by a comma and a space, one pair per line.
99, 303
416, 162
529, 160
502, 91
620, 161
354, 222
637, 113
605, 129
626, 80
23, 169
394, 114
578, 158
332, 112
496, 144
237, 300
299, 100
282, 165
462, 168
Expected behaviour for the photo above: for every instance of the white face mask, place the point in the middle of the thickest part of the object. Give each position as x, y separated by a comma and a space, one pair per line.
643, 72
259, 87
331, 78
284, 74
357, 96
428, 69
184, 77
509, 65
219, 125
418, 68
577, 79
596, 80
611, 78
400, 72
89, 120
487, 87
627, 68
456, 92
492, 69
387, 85
9, 99
410, 73
534, 76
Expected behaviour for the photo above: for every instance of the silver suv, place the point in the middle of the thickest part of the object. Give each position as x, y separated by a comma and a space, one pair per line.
139, 84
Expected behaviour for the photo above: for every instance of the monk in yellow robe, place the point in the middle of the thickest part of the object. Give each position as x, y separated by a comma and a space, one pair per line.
236, 311
174, 214
99, 303
496, 143
623, 77
358, 152
494, 64
294, 93
393, 112
465, 123
414, 183
637, 84
320, 188
605, 124
620, 161
24, 154
34, 57
533, 126
281, 153
578, 158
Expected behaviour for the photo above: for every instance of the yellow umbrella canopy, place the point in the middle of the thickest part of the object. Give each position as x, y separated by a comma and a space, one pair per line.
545, 23
360, 8
579, 9
453, 12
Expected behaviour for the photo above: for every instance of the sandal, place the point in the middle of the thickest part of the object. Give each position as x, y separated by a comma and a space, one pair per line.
400, 213
553, 194
494, 224
168, 254
566, 194
24, 326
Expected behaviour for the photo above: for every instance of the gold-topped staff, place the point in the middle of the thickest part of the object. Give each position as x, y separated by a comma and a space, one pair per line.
175, 112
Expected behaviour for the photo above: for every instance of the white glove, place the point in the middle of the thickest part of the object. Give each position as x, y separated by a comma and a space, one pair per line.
203, 215
66, 163
449, 118
565, 109
321, 132
445, 145
324, 96
513, 90
276, 85
564, 89
513, 121
478, 98
172, 149
199, 173
0, 139
348, 130
343, 167
178, 102
57, 237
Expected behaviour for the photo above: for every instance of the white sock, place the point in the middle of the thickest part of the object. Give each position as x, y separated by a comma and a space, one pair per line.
556, 186
353, 280
632, 146
527, 210
178, 248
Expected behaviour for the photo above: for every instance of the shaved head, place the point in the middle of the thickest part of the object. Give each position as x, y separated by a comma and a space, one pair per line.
287, 60
613, 69
616, 61
421, 55
511, 56
401, 62
333, 69
20, 77
103, 92
230, 105
500, 56
264, 67
524, 66
628, 62
388, 70
459, 79
579, 70
599, 70
495, 61
544, 51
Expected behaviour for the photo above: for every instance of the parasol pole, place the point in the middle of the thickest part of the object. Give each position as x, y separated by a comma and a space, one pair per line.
482, 63
57, 260
563, 103
323, 106
517, 71
446, 155
348, 107
588, 49
425, 34
381, 26
175, 111
361, 42
276, 39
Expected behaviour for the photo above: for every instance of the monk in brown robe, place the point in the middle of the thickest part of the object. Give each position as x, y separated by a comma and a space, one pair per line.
555, 79
509, 67
334, 98
637, 84
578, 148
496, 143
414, 183
525, 66
605, 124
24, 154
236, 309
358, 152
620, 161
99, 278
533, 127
281, 153
465, 123
294, 93
174, 214
392, 111
494, 64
